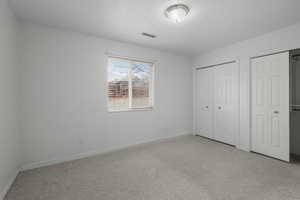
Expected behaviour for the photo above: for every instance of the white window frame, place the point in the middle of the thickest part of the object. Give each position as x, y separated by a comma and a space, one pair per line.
151, 85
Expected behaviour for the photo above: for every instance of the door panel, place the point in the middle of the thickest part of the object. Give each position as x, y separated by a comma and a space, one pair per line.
204, 102
260, 120
275, 133
270, 105
226, 100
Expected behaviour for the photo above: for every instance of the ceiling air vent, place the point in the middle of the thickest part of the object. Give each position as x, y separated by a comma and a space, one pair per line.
149, 35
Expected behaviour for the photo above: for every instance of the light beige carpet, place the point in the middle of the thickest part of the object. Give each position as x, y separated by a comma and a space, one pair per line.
183, 168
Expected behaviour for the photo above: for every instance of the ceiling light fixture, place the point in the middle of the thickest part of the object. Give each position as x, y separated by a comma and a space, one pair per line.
177, 12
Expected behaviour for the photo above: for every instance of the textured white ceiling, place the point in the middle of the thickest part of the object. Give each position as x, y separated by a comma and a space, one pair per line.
210, 24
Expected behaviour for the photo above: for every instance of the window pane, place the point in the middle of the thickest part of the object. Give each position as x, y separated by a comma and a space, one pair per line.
141, 82
118, 97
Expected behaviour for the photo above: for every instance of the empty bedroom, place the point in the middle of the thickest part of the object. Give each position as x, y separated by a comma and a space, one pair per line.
149, 100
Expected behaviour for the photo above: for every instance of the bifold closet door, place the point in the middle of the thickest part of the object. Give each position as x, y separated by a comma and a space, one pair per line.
270, 105
204, 100
226, 103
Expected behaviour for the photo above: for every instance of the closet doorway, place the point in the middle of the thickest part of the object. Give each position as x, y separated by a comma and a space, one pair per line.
217, 102
295, 103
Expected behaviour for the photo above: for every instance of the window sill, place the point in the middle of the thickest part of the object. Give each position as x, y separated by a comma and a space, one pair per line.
132, 110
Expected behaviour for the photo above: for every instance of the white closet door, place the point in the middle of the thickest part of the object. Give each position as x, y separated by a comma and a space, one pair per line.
226, 102
270, 105
204, 102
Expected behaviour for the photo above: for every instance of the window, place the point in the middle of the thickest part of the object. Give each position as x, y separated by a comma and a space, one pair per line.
130, 84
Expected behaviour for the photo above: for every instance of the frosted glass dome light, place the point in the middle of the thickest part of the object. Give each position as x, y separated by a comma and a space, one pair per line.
177, 12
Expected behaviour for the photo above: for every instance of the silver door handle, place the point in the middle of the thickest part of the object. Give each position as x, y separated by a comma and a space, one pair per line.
206, 107
276, 112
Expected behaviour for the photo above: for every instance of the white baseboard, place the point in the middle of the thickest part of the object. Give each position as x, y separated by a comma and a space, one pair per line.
8, 185
92, 153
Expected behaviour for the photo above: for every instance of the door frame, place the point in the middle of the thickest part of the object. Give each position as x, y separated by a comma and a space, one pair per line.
237, 61
250, 95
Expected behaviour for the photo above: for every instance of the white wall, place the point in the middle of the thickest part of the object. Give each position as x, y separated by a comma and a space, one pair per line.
8, 98
281, 40
63, 86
